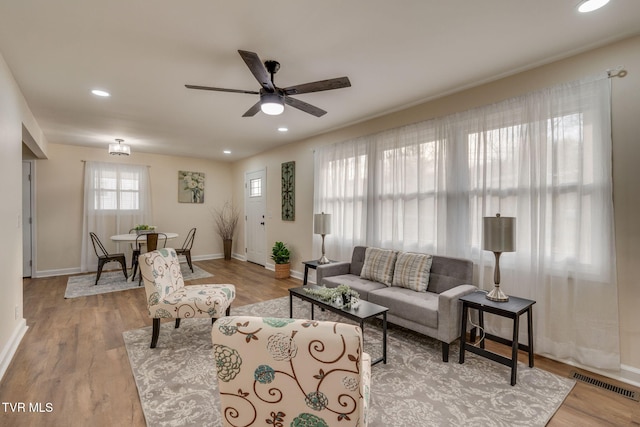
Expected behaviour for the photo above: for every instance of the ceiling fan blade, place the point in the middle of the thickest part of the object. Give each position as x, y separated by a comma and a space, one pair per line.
318, 86
218, 89
257, 69
253, 110
307, 108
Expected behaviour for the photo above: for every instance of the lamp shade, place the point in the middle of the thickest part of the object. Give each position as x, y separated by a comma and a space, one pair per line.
499, 233
322, 223
271, 103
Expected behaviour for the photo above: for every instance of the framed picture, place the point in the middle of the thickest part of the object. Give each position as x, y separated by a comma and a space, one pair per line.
190, 187
289, 191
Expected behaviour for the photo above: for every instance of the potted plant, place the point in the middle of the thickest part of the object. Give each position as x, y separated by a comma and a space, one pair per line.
226, 220
280, 255
144, 228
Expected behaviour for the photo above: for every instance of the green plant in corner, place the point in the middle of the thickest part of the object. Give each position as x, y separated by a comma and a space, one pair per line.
280, 253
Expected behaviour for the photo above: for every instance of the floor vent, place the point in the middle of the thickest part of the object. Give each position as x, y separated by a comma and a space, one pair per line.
629, 394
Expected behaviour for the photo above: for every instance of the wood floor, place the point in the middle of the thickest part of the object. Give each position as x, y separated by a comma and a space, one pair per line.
72, 366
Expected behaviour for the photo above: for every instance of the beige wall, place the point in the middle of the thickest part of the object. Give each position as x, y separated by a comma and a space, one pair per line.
59, 190
296, 234
626, 157
14, 113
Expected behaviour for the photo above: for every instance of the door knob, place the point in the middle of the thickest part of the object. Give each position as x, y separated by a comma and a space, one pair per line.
262, 223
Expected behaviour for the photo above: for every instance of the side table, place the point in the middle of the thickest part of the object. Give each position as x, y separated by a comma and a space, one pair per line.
310, 264
512, 309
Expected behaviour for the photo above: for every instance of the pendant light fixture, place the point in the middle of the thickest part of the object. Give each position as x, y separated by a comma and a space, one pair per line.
119, 149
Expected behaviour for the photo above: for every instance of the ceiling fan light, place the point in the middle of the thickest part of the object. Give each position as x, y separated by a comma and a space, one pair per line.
272, 104
119, 149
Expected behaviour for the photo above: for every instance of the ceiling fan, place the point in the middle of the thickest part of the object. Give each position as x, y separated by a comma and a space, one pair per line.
273, 98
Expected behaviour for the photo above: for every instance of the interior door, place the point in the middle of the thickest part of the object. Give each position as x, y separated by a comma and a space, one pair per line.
27, 261
255, 212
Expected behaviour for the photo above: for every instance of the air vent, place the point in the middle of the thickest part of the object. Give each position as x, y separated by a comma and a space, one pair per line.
629, 394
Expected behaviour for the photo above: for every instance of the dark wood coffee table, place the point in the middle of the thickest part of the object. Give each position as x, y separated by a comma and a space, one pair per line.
365, 310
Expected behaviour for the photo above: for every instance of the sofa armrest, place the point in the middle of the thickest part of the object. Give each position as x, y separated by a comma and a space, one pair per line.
332, 269
450, 310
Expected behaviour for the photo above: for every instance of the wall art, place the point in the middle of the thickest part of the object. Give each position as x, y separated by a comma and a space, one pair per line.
289, 191
190, 187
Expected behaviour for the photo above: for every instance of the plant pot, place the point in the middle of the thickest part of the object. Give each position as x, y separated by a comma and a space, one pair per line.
283, 270
227, 243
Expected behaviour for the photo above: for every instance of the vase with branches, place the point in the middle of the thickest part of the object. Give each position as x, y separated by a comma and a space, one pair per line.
226, 220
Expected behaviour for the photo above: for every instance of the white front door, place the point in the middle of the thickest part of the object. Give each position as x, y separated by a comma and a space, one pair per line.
255, 212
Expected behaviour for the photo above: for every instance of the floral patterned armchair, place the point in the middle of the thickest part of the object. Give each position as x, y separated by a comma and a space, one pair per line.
169, 298
291, 372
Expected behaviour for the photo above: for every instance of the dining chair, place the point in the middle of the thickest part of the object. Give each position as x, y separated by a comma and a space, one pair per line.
169, 298
105, 257
150, 240
186, 247
135, 250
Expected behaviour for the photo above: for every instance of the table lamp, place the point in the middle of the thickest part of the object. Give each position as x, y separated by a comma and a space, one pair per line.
499, 236
322, 226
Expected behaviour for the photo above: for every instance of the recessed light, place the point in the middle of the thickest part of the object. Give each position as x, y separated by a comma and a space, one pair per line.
99, 92
282, 129
591, 5
227, 151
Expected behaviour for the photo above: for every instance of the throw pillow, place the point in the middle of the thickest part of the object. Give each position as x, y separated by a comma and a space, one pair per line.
412, 271
378, 265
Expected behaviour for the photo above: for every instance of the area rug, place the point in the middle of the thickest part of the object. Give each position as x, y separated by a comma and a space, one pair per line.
113, 281
177, 382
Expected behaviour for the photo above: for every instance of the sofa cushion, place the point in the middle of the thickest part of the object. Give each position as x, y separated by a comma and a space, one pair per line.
358, 284
412, 271
357, 260
419, 307
448, 272
378, 265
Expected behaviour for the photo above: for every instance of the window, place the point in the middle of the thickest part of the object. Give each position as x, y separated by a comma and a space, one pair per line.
255, 187
116, 190
117, 197
427, 186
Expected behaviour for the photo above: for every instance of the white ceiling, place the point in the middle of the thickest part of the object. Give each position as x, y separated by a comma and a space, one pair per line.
396, 54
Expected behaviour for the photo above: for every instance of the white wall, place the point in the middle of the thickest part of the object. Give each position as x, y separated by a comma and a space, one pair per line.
13, 114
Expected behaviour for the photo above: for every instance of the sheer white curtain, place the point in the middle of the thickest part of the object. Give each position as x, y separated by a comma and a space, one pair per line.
544, 158
117, 197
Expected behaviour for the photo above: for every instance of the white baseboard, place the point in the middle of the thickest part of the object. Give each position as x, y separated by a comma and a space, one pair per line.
12, 346
57, 272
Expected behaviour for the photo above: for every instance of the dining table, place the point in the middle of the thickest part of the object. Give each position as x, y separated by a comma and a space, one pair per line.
131, 238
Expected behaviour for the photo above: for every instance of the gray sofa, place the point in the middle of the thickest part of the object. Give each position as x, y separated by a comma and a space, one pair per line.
435, 313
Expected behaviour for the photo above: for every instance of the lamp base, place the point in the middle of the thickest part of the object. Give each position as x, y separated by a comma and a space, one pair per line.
323, 260
497, 295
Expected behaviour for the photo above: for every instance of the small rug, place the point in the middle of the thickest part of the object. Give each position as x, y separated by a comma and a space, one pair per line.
113, 281
177, 383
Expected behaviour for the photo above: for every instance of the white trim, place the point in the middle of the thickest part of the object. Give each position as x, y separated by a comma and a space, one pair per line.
12, 346
57, 272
